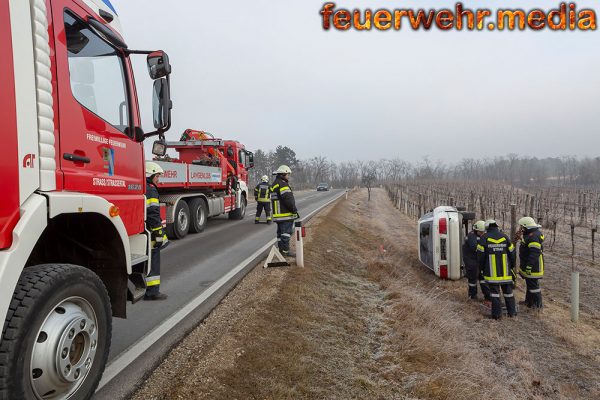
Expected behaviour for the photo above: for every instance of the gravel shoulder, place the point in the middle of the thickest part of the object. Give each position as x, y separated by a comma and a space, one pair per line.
364, 320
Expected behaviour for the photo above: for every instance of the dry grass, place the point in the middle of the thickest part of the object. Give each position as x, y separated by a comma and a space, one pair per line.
361, 324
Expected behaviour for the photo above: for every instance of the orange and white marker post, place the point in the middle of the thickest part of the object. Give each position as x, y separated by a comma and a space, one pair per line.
300, 232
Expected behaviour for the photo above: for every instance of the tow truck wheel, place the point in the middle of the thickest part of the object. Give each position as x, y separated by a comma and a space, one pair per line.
239, 213
199, 212
56, 337
181, 225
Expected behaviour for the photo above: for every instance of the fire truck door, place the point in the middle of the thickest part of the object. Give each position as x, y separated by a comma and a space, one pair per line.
96, 154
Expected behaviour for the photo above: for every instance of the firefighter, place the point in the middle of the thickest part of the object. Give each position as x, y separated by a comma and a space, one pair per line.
531, 259
470, 261
496, 257
284, 209
158, 236
263, 199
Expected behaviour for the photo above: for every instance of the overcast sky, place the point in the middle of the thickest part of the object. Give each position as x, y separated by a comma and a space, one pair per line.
264, 72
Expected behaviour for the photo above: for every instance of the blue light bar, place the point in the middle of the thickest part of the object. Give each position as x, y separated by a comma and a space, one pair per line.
107, 2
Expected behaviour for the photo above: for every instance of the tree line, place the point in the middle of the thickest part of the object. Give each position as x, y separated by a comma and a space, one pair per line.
510, 169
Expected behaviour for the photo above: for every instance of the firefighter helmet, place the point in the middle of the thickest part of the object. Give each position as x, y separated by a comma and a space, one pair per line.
479, 226
528, 223
283, 169
153, 168
264, 178
490, 222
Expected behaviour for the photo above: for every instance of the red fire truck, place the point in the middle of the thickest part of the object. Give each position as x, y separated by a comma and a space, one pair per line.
209, 178
73, 243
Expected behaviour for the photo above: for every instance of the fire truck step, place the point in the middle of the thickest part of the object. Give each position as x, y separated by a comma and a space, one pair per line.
136, 293
138, 259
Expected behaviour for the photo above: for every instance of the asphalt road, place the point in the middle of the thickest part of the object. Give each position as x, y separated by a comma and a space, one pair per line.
189, 267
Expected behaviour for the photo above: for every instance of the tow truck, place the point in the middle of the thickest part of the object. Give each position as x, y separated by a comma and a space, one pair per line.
73, 242
208, 178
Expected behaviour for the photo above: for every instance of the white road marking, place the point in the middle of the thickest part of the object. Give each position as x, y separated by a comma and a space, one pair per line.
128, 356
136, 350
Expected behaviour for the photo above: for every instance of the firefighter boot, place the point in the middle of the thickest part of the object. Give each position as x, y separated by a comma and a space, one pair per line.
288, 253
157, 296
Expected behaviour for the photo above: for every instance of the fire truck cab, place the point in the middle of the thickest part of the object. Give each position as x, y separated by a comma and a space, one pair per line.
73, 243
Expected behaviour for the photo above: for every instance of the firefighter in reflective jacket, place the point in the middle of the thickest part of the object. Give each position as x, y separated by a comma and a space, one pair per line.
262, 196
157, 235
470, 260
531, 259
284, 209
496, 257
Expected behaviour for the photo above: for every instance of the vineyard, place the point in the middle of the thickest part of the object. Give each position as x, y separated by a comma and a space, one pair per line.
569, 216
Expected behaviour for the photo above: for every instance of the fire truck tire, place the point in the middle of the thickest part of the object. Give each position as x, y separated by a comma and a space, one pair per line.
468, 215
239, 213
56, 336
199, 215
181, 225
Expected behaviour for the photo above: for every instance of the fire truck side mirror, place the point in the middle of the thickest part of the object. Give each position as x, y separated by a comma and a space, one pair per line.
161, 104
159, 148
158, 64
250, 159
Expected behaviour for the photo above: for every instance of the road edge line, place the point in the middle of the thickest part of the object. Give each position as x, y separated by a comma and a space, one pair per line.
123, 360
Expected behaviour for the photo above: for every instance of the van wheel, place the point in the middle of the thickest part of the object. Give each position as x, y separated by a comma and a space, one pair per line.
468, 215
56, 336
239, 213
181, 226
199, 213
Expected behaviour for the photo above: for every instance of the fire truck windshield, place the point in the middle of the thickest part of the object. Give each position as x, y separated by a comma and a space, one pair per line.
98, 79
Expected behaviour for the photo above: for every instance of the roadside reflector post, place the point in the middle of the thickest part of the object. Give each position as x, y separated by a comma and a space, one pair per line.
346, 193
300, 233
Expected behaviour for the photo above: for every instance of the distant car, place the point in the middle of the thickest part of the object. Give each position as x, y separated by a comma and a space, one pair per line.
322, 187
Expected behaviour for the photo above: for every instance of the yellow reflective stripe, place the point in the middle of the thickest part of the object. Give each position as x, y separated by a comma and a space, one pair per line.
501, 278
283, 215
152, 201
504, 265
285, 191
153, 283
542, 237
156, 229
496, 241
493, 266
541, 265
535, 244
274, 187
480, 248
511, 247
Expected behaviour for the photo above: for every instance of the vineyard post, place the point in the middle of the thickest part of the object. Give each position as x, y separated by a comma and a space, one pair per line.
531, 204
594, 229
513, 221
574, 279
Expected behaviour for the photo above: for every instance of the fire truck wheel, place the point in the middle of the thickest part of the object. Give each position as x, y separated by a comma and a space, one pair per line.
56, 336
239, 213
181, 226
199, 213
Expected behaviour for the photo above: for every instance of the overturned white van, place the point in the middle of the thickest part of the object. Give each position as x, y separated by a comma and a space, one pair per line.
440, 239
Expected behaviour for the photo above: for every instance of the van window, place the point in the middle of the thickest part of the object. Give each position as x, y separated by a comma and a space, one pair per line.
97, 74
